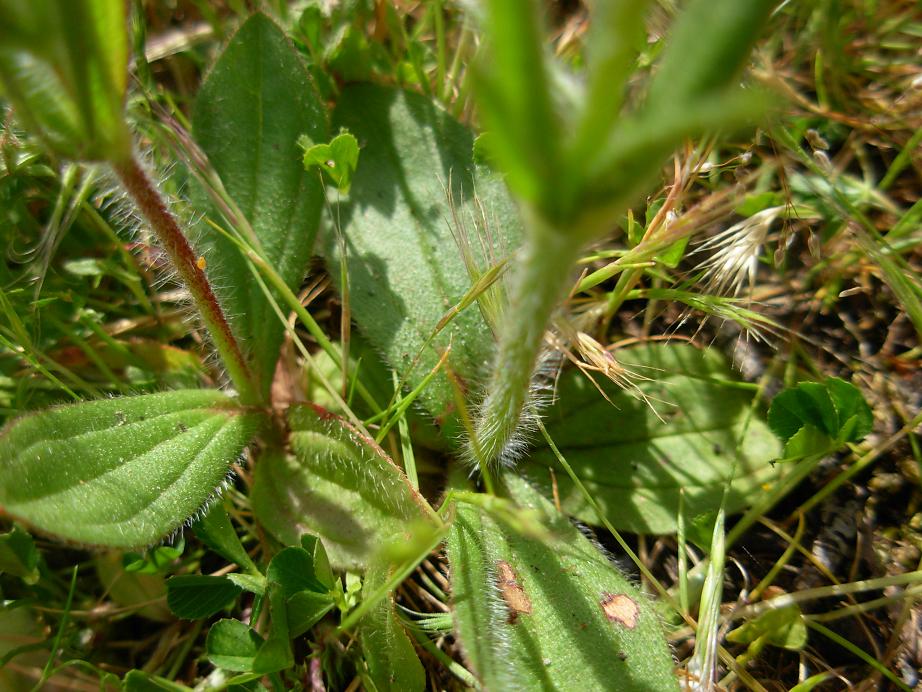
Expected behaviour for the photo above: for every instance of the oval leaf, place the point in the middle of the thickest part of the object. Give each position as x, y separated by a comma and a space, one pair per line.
554, 614
255, 104
121, 472
403, 266
335, 484
232, 645
636, 460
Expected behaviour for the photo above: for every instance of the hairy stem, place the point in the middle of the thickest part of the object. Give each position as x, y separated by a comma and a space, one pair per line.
149, 201
537, 286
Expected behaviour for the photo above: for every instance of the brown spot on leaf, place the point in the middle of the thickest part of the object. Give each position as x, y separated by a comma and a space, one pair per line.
620, 608
517, 601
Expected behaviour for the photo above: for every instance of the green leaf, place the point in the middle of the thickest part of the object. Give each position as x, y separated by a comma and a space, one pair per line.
249, 582
139, 681
157, 560
121, 472
64, 66
782, 627
194, 596
393, 664
549, 614
338, 485
514, 96
232, 645
404, 268
143, 592
636, 465
338, 159
215, 531
854, 415
814, 417
255, 104
275, 654
321, 562
293, 570
706, 49
18, 555
305, 609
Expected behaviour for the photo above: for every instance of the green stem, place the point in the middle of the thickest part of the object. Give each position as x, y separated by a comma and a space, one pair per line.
538, 284
149, 201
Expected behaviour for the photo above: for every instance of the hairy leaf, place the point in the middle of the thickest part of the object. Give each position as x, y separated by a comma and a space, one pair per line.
636, 460
335, 484
404, 268
121, 472
251, 110
393, 664
549, 614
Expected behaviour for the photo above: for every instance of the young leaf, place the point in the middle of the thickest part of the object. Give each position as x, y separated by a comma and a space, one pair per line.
216, 531
783, 627
293, 570
305, 609
194, 596
18, 555
337, 485
64, 66
232, 645
337, 159
403, 266
275, 654
634, 463
555, 614
121, 472
255, 104
814, 417
393, 664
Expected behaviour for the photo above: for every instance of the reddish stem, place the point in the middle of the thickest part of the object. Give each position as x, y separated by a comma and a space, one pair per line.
152, 206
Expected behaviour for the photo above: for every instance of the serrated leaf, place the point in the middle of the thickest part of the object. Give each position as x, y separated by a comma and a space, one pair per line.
636, 465
18, 555
404, 267
255, 104
249, 582
335, 484
554, 614
194, 596
121, 472
393, 664
232, 645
